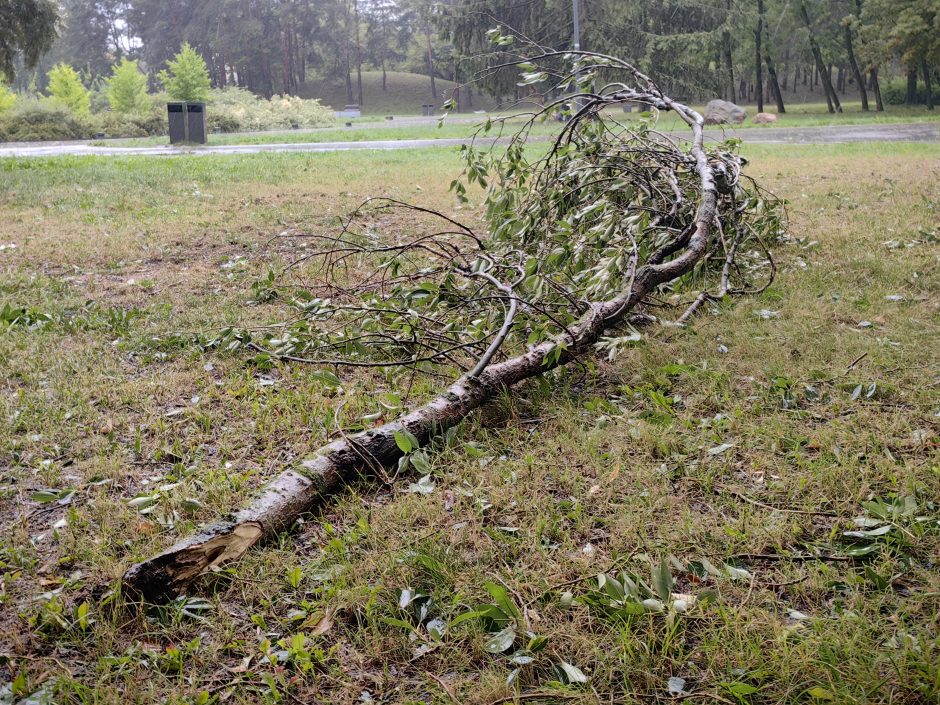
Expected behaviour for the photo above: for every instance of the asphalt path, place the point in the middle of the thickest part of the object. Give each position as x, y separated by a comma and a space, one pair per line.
841, 134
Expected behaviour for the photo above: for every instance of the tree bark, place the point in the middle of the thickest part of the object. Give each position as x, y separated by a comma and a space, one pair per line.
876, 89
358, 55
758, 65
853, 63
294, 492
928, 84
832, 97
728, 61
431, 63
911, 98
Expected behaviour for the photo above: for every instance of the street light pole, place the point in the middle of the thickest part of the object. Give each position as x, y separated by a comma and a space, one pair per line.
577, 24
576, 11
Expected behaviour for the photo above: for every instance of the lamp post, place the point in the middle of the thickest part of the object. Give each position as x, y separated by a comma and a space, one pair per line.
576, 11
577, 24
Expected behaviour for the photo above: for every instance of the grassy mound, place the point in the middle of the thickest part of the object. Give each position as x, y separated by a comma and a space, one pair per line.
404, 95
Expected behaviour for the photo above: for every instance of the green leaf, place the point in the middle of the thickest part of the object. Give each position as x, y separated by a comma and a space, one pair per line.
403, 442
662, 581
393, 622
501, 641
739, 688
45, 496
502, 598
820, 693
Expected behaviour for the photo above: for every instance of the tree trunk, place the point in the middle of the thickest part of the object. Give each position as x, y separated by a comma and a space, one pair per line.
431, 63
728, 61
928, 84
774, 84
876, 88
911, 98
758, 66
832, 97
358, 55
859, 78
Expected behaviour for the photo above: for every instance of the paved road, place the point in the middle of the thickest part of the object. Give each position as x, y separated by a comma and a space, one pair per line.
915, 132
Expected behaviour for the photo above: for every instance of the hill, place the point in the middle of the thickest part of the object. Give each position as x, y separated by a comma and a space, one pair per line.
404, 95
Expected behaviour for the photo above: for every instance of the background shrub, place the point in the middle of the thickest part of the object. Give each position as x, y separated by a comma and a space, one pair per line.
235, 109
7, 98
36, 120
67, 89
895, 93
127, 88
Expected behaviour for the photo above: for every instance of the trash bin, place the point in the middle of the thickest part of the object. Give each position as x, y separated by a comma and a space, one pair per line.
177, 116
196, 123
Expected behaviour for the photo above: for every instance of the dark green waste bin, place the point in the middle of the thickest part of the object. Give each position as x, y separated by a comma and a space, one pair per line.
176, 112
196, 123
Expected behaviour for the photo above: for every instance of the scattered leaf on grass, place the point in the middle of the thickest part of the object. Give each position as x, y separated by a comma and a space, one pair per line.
501, 641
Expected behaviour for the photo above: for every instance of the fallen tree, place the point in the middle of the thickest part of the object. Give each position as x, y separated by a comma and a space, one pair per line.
581, 236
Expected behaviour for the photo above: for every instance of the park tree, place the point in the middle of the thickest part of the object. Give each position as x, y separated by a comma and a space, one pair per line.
187, 77
93, 35
389, 28
27, 27
127, 88
66, 88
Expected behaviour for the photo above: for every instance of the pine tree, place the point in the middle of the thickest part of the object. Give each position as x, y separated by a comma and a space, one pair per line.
187, 77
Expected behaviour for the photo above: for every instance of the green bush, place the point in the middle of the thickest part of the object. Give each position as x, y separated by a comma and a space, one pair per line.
67, 89
127, 88
34, 120
7, 98
37, 120
234, 109
895, 93
143, 124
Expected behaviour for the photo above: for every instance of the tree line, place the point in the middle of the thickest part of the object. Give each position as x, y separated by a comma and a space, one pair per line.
756, 51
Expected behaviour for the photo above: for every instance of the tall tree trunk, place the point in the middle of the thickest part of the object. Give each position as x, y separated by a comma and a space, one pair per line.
831, 97
431, 62
774, 83
384, 77
911, 98
358, 54
758, 66
859, 78
729, 61
876, 89
928, 85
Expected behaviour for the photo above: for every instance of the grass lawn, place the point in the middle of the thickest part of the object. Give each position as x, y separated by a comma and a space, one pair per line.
459, 127
735, 452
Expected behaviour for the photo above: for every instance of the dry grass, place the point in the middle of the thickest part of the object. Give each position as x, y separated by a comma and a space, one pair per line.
585, 470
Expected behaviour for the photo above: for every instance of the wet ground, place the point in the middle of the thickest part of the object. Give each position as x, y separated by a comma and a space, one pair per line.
914, 132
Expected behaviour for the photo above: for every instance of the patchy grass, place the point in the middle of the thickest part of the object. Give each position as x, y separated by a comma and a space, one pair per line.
733, 456
454, 127
460, 126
